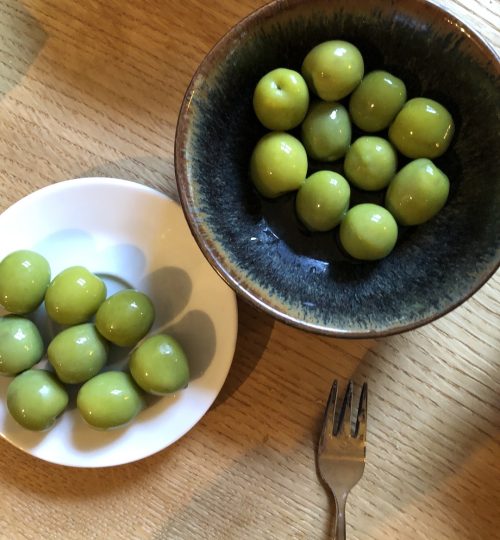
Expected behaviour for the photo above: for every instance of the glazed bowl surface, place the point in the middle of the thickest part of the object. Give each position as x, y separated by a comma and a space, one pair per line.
258, 246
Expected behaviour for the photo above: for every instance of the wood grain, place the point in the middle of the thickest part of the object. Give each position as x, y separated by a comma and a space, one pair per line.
93, 89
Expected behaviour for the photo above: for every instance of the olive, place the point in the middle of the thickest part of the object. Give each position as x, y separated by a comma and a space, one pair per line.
281, 99
24, 278
368, 232
333, 69
370, 163
326, 131
417, 192
376, 101
35, 399
109, 400
78, 353
125, 317
278, 164
21, 345
74, 295
323, 200
423, 128
159, 365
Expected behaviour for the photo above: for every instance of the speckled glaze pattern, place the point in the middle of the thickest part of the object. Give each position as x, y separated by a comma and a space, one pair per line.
258, 246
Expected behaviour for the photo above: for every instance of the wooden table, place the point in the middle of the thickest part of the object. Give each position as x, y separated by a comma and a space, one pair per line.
93, 89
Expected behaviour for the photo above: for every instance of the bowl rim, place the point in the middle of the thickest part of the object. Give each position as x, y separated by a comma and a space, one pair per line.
210, 252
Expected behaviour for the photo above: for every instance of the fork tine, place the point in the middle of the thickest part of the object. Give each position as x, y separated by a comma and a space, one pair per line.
344, 425
362, 413
328, 419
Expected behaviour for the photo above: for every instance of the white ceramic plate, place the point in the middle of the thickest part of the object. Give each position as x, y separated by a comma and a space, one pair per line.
129, 234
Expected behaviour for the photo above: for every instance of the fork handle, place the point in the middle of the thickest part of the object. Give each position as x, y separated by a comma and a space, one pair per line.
340, 518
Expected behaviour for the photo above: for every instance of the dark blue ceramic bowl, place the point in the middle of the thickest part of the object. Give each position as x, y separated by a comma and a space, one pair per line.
258, 246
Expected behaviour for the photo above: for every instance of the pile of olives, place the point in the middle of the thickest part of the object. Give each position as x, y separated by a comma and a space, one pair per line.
89, 325
420, 129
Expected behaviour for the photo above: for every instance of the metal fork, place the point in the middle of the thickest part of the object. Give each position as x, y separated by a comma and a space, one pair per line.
342, 451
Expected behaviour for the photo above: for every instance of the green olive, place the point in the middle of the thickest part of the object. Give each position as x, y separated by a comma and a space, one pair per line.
368, 232
423, 128
333, 69
370, 163
24, 278
278, 164
417, 192
78, 353
323, 200
35, 399
21, 345
376, 101
74, 295
159, 365
281, 99
326, 131
125, 318
109, 400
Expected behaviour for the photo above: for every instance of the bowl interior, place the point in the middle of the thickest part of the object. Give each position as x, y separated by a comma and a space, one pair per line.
258, 245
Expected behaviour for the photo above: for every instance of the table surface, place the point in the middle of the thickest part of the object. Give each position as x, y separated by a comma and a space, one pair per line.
93, 89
